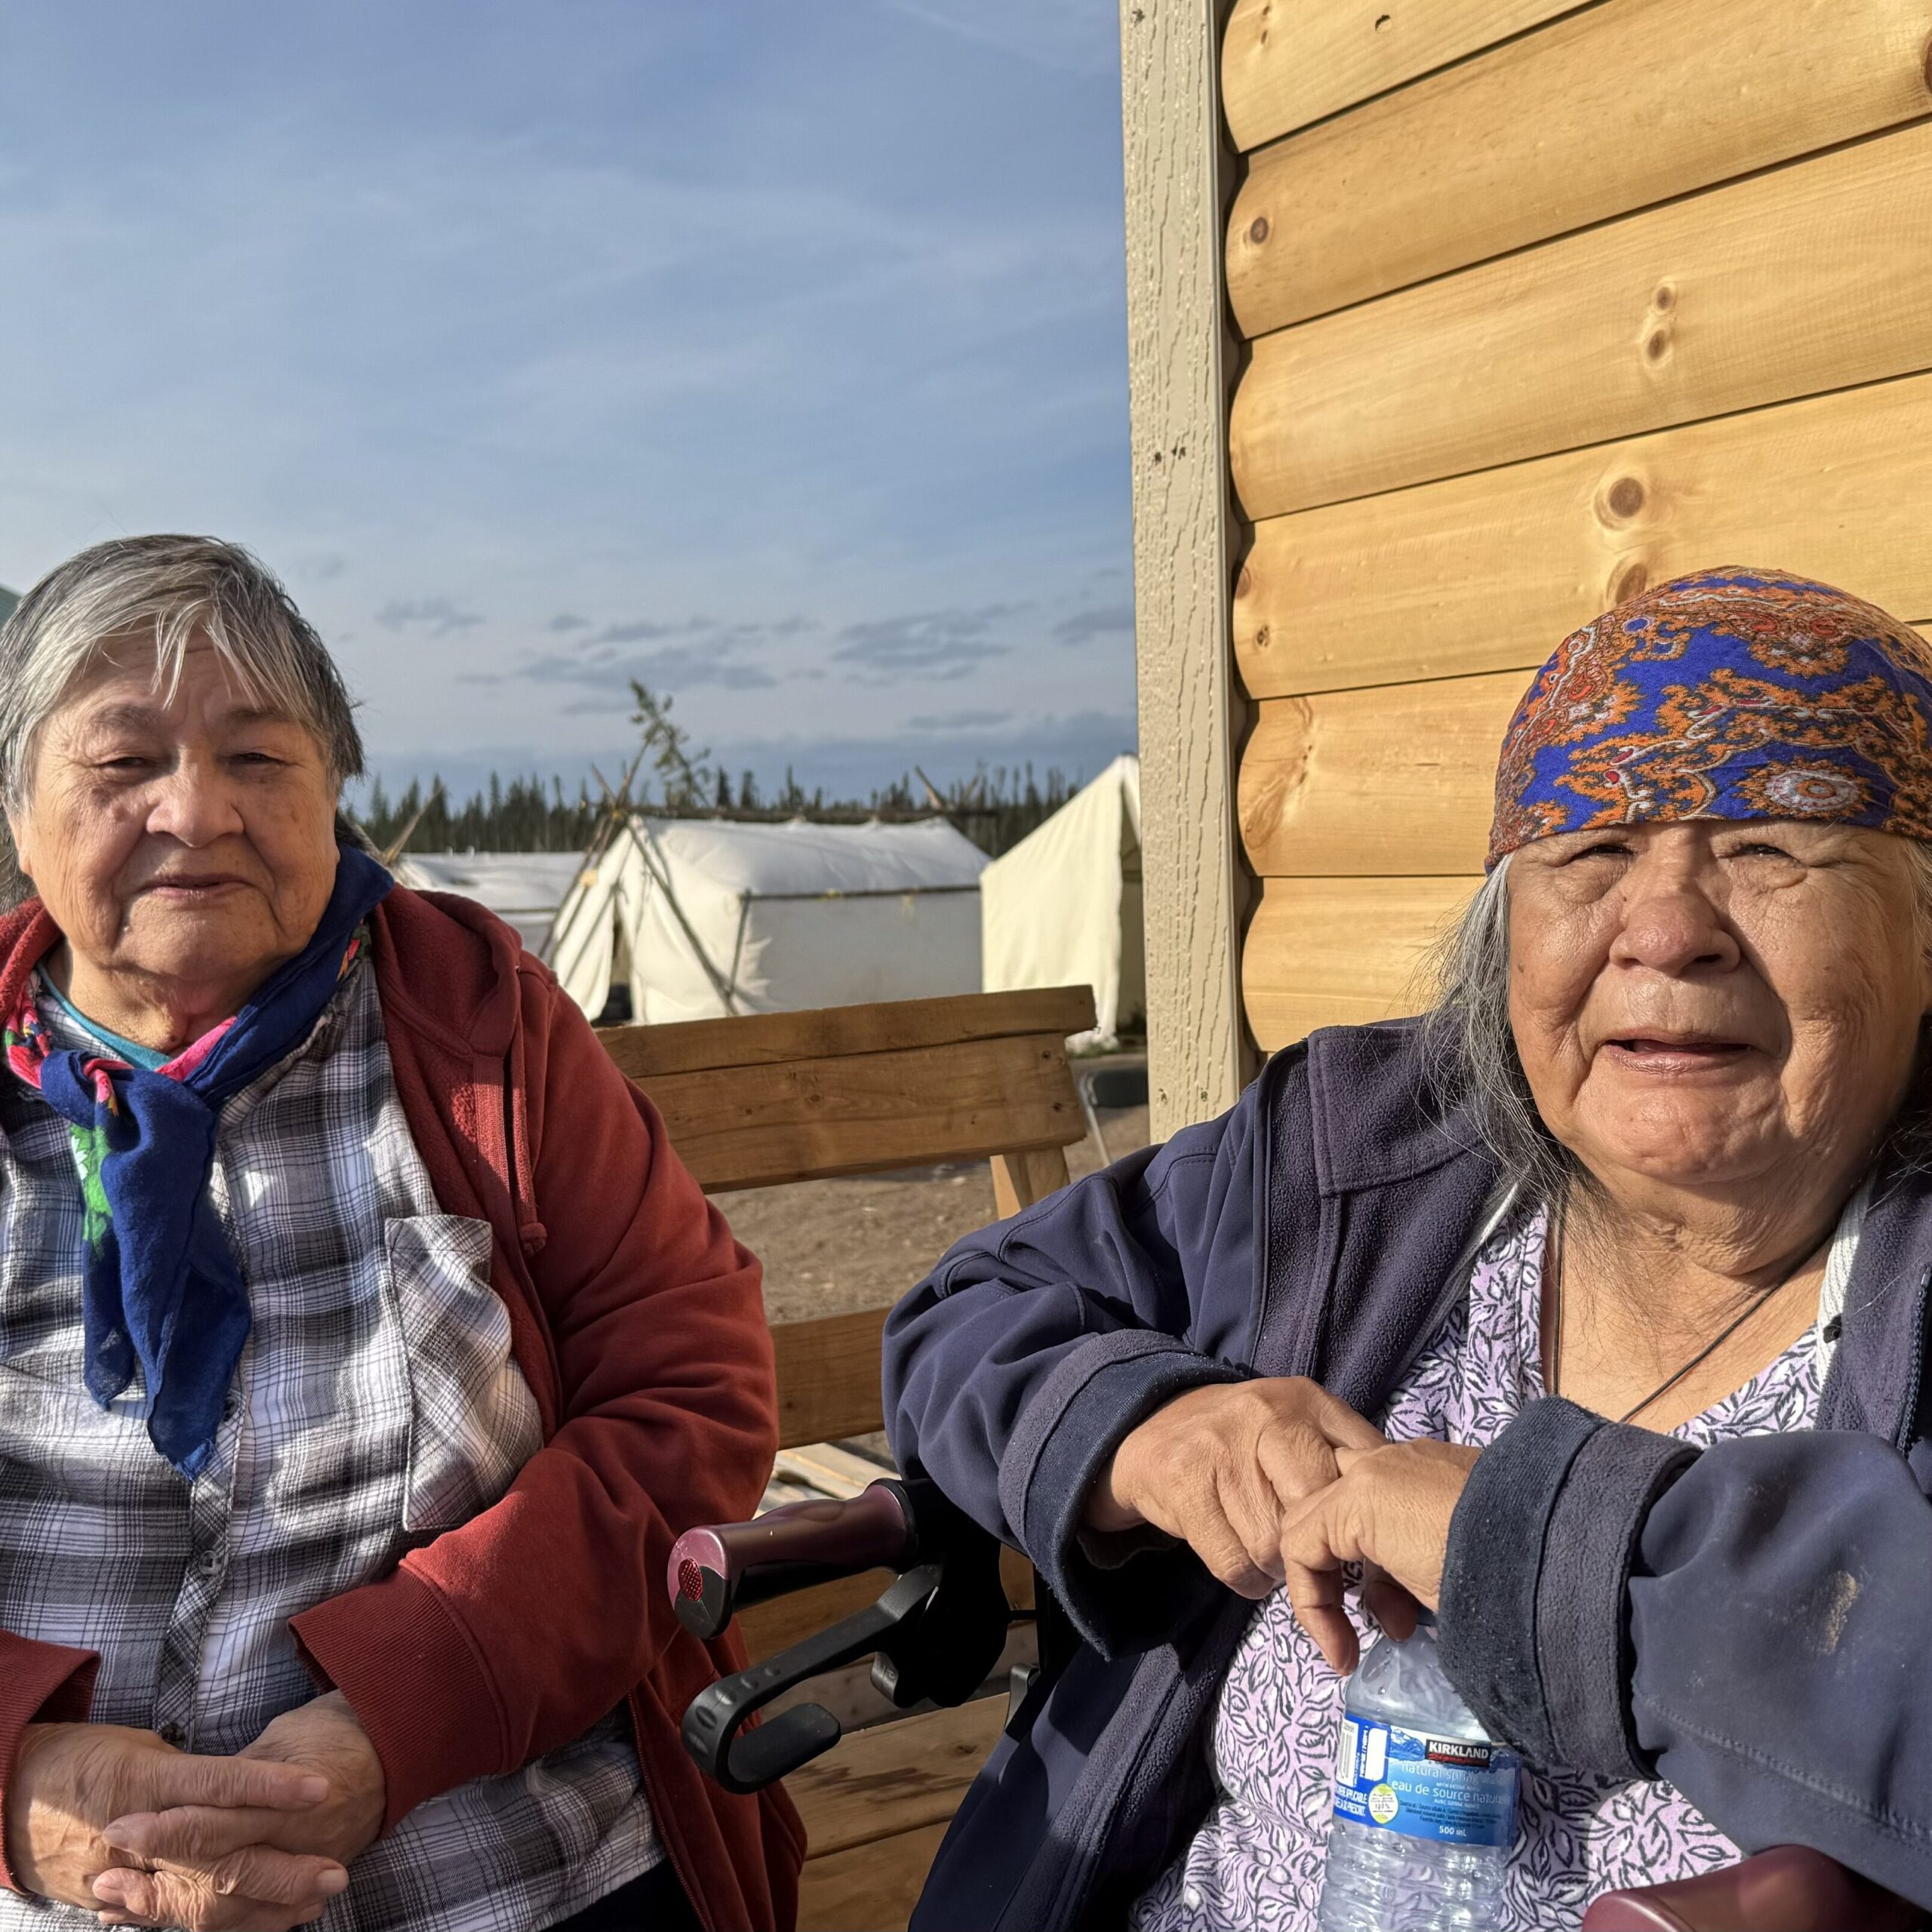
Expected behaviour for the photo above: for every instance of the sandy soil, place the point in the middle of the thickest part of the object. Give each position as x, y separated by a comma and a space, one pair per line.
830, 1246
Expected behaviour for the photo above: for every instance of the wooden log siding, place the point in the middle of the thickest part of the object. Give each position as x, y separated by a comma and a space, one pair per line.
1626, 114
1285, 62
1547, 303
1488, 572
1810, 277
1395, 780
1343, 952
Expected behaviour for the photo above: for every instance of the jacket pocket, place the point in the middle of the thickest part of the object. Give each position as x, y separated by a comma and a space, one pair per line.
473, 1421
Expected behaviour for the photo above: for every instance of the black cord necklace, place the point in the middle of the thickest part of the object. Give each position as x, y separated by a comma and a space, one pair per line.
1702, 1355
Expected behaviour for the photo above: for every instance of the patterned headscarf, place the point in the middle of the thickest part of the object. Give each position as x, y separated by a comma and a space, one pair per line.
1730, 694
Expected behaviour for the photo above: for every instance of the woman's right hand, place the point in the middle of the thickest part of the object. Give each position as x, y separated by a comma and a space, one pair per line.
71, 1779
1226, 1467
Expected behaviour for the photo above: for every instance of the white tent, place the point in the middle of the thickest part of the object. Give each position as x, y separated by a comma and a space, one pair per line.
523, 889
705, 916
1064, 904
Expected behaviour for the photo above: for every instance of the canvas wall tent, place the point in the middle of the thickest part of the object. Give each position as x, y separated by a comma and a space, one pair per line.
705, 916
523, 889
1064, 904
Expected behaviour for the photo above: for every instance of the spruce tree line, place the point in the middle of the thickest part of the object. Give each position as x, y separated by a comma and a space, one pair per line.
995, 809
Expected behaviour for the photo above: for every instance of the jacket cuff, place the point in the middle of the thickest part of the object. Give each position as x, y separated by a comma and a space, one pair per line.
416, 1683
1534, 1622
39, 1684
1101, 1390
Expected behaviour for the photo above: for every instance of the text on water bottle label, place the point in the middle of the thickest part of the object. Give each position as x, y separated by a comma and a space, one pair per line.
1443, 1788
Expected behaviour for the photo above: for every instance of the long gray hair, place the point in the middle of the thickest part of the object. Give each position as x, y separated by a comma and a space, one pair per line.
1474, 1065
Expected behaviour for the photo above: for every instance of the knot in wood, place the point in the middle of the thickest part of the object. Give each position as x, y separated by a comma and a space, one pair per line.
1626, 496
1258, 230
1632, 582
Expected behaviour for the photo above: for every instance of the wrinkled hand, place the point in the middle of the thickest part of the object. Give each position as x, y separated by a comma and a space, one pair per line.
71, 1779
1225, 1469
199, 1847
1389, 1508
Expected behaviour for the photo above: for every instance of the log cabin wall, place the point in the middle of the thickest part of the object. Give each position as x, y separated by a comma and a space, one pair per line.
1542, 303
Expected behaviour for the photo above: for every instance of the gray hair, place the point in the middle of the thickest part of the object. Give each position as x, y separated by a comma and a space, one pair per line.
1471, 1047
176, 589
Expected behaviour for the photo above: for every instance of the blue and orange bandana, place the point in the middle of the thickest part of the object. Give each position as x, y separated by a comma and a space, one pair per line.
1729, 693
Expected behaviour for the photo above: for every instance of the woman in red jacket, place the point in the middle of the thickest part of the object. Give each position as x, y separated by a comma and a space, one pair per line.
362, 1343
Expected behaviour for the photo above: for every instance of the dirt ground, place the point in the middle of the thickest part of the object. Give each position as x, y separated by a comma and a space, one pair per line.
832, 1246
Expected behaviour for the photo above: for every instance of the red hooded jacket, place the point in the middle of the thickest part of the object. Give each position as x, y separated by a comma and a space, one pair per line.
638, 1323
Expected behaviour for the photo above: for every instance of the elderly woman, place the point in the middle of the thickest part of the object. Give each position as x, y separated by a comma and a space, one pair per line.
362, 1342
1587, 1311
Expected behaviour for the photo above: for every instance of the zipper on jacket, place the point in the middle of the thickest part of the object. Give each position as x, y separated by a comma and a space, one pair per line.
1908, 1425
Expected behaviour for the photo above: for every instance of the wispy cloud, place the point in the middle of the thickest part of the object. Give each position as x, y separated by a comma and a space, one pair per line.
693, 654
967, 720
533, 341
440, 616
1073, 35
940, 645
641, 630
676, 669
1115, 620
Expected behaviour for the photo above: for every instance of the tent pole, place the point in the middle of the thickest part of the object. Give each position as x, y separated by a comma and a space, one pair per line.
600, 843
738, 948
719, 985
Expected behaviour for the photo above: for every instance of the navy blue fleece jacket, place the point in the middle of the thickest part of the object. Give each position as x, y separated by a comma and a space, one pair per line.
1753, 1622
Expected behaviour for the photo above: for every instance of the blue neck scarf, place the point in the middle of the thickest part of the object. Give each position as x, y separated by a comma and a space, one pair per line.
160, 1287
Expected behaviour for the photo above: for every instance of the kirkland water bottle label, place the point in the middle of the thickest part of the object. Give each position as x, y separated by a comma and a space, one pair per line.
1443, 1788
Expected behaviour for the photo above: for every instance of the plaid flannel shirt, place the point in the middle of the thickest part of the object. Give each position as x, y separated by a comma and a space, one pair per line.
377, 1405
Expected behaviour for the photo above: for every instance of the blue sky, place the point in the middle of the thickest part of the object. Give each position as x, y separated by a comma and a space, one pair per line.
771, 350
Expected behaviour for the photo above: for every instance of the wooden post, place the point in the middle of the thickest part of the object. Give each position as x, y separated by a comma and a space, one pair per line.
1185, 538
1020, 1180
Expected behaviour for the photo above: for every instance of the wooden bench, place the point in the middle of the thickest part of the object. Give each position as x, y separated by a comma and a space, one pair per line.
790, 1097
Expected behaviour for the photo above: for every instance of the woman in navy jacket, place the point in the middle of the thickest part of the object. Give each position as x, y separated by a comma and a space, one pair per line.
1587, 1311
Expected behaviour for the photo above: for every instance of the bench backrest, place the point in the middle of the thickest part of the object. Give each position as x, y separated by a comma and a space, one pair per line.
788, 1096
848, 1090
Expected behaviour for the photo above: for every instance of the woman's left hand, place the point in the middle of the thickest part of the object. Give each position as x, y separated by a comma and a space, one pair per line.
194, 1843
1389, 1511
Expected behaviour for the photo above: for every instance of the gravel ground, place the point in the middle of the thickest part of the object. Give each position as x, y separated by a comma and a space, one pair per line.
832, 1246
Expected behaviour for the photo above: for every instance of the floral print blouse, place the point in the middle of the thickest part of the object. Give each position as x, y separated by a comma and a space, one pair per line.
1257, 1860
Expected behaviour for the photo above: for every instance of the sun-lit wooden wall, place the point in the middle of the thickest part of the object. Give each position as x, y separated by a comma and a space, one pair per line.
1543, 304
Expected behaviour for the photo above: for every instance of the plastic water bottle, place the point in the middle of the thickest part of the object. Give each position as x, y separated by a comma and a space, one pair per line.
1424, 1802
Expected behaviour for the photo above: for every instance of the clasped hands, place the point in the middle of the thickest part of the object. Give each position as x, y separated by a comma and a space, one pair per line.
1275, 1484
113, 1819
